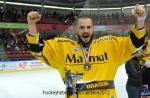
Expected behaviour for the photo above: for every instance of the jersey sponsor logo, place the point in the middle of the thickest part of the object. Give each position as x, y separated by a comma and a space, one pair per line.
102, 39
59, 41
65, 41
96, 85
79, 59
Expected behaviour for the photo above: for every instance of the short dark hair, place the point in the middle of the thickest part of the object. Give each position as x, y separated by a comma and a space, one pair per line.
83, 16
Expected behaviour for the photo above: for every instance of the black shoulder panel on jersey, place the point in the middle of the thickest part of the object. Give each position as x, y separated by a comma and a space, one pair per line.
41, 41
137, 42
35, 47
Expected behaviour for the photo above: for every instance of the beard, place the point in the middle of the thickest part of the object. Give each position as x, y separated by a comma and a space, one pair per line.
85, 44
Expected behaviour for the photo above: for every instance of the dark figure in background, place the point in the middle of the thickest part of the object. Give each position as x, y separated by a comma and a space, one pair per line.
147, 77
136, 69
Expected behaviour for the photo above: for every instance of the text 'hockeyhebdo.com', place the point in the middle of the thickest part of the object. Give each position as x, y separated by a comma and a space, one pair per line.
61, 92
54, 92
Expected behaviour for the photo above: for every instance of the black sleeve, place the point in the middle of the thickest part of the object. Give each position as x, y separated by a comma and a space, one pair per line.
36, 47
39, 47
137, 42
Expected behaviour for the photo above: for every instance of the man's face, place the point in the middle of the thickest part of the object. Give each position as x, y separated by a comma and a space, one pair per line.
85, 29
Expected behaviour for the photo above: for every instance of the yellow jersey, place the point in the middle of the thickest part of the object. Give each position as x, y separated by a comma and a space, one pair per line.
105, 55
147, 55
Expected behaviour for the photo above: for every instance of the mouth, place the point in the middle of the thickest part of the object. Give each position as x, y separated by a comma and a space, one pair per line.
85, 35
86, 38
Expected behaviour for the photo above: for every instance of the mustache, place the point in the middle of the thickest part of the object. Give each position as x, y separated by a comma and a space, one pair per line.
85, 34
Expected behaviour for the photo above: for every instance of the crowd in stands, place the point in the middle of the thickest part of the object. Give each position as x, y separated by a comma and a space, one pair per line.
14, 43
20, 14
12, 40
10, 14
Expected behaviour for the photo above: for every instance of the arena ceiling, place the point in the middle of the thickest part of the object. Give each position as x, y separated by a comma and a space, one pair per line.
84, 3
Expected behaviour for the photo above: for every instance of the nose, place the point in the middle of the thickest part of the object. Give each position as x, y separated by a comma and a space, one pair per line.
85, 29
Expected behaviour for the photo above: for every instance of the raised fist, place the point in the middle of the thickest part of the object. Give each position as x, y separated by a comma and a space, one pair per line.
139, 11
33, 17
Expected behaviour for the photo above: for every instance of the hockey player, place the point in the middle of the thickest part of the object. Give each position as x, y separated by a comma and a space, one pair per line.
87, 66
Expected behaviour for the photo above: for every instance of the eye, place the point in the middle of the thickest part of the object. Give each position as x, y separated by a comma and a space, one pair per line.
81, 27
89, 27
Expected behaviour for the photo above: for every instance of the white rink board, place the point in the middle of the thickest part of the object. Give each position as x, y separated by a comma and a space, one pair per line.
21, 65
32, 84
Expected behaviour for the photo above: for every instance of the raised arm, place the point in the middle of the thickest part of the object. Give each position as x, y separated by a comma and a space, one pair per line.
32, 18
43, 50
129, 46
140, 13
138, 31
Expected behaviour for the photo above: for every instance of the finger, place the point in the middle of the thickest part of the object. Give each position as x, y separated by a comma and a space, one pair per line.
35, 16
135, 9
38, 16
139, 11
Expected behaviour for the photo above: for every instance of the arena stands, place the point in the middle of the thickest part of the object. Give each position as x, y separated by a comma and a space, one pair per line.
13, 43
16, 14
